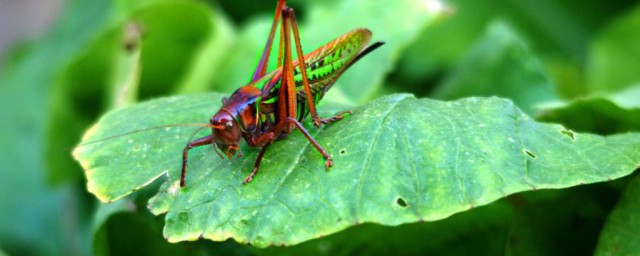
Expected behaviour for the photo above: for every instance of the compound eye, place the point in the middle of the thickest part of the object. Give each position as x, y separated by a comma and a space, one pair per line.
228, 124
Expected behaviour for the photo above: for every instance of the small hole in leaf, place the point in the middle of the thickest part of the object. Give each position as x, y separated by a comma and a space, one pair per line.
343, 151
529, 153
569, 133
401, 202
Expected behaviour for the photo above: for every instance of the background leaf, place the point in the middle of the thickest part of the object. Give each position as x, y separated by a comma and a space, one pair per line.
607, 114
31, 210
500, 64
616, 54
619, 235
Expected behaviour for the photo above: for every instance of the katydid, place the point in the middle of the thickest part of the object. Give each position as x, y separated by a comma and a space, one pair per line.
273, 104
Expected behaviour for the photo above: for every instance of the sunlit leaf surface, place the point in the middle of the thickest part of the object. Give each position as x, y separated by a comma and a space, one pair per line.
397, 159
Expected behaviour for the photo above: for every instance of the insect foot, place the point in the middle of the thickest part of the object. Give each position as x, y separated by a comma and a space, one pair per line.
318, 122
328, 163
248, 179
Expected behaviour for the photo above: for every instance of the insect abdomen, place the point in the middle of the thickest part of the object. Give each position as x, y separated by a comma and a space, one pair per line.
328, 62
324, 66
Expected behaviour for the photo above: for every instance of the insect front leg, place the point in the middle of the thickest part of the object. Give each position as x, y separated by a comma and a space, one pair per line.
207, 140
256, 165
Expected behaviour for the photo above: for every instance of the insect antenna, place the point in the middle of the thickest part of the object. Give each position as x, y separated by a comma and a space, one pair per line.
202, 125
215, 146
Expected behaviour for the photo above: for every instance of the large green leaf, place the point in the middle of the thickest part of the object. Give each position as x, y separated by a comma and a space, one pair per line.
397, 159
620, 234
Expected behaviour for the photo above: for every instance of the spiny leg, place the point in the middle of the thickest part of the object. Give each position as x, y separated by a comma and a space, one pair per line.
305, 81
287, 102
261, 69
196, 143
303, 69
280, 49
256, 165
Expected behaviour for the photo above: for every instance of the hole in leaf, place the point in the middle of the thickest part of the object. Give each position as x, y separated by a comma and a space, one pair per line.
401, 202
569, 133
530, 154
343, 151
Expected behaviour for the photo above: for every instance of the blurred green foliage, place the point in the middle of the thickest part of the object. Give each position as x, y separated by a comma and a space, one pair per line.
582, 55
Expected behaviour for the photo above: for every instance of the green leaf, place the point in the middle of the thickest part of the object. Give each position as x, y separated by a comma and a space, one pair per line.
110, 69
36, 219
175, 34
125, 79
615, 54
515, 225
396, 160
606, 114
560, 28
209, 60
620, 233
241, 60
500, 64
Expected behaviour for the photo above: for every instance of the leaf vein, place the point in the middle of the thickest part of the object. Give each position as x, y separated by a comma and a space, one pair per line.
282, 181
363, 173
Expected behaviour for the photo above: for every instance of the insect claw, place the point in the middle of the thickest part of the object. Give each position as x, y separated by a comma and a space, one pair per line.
328, 163
248, 179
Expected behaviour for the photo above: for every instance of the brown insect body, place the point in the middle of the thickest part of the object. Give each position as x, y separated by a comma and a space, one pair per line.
273, 105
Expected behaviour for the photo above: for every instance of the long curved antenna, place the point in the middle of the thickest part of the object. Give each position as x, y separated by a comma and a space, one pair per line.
203, 125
